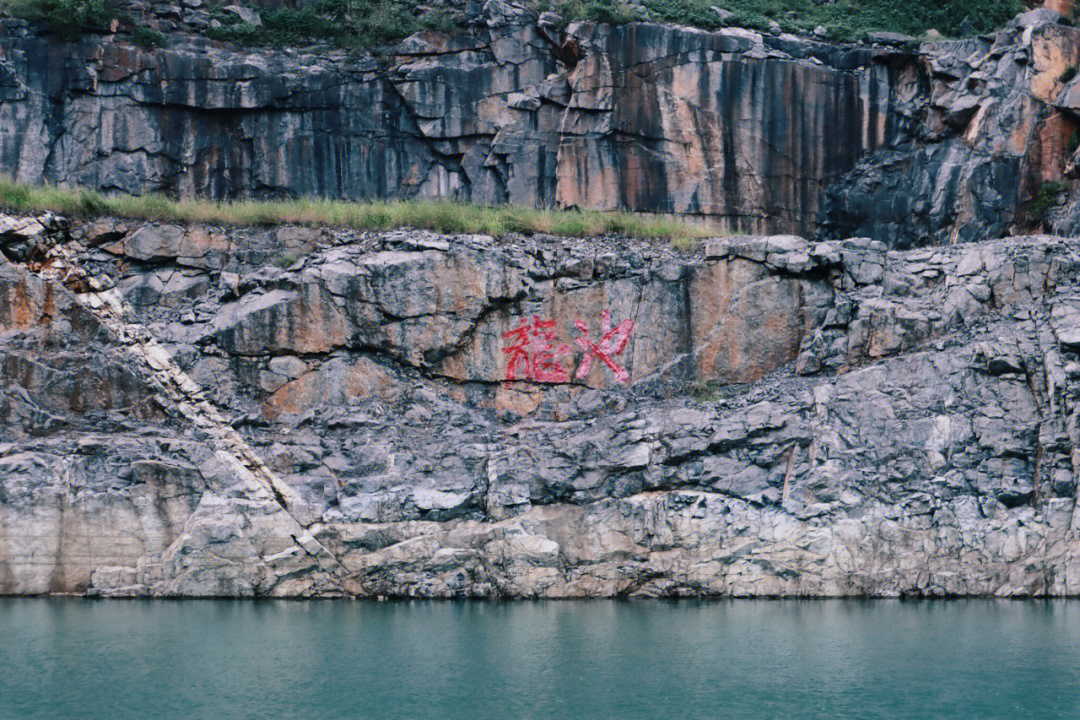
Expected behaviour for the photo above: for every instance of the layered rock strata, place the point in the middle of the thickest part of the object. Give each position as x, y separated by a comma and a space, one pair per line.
950, 141
195, 411
735, 125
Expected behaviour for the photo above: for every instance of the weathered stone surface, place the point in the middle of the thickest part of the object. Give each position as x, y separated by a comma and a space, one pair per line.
891, 38
948, 142
800, 418
988, 123
741, 127
25, 238
674, 120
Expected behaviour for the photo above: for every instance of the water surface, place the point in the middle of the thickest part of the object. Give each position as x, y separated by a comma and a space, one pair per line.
595, 659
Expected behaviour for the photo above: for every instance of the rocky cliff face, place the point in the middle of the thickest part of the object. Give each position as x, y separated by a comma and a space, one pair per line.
204, 411
945, 143
744, 128
201, 411
995, 124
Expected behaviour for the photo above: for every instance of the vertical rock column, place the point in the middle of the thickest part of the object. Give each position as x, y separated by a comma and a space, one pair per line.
734, 125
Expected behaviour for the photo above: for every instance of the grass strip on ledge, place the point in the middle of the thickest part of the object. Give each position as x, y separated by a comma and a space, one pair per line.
440, 216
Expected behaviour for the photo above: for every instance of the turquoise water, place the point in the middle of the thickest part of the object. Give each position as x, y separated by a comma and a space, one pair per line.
599, 659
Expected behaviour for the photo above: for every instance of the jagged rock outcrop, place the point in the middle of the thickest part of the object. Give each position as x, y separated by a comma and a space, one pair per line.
996, 120
197, 411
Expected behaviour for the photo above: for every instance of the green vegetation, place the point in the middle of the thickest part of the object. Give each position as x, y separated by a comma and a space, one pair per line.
284, 260
67, 18
370, 23
706, 390
845, 19
605, 11
347, 23
1039, 207
147, 39
446, 217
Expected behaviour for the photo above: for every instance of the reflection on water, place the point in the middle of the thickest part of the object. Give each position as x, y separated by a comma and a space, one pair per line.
591, 659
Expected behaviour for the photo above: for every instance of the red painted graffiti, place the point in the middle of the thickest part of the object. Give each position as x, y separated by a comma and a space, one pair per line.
534, 353
612, 342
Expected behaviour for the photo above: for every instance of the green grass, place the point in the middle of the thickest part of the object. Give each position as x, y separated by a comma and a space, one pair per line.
441, 216
284, 260
705, 390
1039, 207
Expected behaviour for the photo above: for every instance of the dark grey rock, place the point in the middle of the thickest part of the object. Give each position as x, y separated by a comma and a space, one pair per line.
725, 16
510, 113
890, 38
761, 133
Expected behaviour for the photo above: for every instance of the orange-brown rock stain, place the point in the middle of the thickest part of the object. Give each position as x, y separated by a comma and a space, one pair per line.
25, 304
1053, 51
313, 324
744, 323
329, 385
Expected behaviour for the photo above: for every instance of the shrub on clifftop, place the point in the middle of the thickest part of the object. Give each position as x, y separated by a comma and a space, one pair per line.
148, 39
64, 17
348, 23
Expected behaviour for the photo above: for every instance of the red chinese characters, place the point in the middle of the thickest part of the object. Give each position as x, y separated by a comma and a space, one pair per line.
612, 342
534, 353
